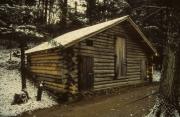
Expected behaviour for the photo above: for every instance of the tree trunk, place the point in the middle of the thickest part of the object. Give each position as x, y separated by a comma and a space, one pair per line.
90, 12
170, 73
46, 10
167, 83
167, 103
23, 78
10, 55
64, 13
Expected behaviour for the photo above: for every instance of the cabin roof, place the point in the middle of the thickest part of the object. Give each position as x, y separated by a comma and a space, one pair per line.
70, 38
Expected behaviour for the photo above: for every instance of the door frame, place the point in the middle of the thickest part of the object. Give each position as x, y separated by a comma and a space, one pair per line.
144, 68
80, 88
124, 63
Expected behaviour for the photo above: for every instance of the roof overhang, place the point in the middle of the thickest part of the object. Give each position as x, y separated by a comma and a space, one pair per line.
73, 37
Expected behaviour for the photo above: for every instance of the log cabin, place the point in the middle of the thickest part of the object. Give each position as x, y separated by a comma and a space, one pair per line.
106, 55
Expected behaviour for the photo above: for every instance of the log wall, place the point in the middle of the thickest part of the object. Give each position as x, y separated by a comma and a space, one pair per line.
58, 72
52, 68
103, 51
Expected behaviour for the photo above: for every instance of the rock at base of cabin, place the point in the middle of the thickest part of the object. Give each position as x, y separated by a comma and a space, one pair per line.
68, 97
20, 98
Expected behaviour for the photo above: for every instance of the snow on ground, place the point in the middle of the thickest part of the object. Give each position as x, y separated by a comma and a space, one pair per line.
10, 83
156, 76
155, 110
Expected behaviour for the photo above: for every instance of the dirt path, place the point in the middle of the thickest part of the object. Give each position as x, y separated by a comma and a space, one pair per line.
122, 105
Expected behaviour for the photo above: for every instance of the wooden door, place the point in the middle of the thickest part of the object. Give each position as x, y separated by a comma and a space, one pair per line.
86, 75
120, 57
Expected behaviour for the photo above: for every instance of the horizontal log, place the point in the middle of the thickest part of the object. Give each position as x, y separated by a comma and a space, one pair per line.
105, 36
136, 56
44, 68
98, 46
110, 85
55, 50
96, 49
49, 76
110, 81
133, 70
135, 82
133, 76
135, 63
103, 68
104, 75
90, 52
103, 46
104, 57
58, 77
130, 66
47, 65
44, 55
46, 62
103, 79
133, 59
50, 79
116, 31
47, 58
58, 89
133, 73
55, 84
135, 49
133, 42
136, 53
103, 60
47, 72
103, 65
133, 67
103, 71
116, 84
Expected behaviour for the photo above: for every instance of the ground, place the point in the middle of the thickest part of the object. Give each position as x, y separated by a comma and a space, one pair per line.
10, 83
133, 102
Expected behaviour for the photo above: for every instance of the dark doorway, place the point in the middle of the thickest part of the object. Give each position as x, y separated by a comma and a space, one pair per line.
144, 69
86, 75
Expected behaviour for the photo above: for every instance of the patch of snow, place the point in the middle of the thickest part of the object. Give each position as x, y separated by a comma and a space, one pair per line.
155, 109
156, 76
11, 84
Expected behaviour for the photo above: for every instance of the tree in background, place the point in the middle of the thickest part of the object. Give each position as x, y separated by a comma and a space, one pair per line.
164, 17
91, 10
98, 11
19, 26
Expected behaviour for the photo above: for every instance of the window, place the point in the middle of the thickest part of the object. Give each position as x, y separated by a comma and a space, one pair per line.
89, 42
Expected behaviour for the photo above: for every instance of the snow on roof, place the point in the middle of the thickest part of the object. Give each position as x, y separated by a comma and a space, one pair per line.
72, 37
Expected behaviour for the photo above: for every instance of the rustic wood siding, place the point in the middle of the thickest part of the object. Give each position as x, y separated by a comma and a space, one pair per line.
47, 66
55, 67
103, 51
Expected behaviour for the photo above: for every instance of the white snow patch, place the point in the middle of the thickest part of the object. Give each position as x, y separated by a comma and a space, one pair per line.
11, 84
156, 76
155, 109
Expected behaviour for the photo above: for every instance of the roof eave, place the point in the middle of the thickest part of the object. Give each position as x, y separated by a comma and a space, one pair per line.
143, 36
94, 33
85, 36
